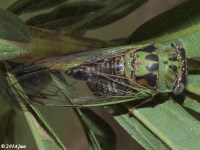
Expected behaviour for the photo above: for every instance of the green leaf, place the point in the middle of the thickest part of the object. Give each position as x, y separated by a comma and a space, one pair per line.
137, 130
192, 104
8, 109
178, 18
171, 123
65, 14
193, 85
7, 101
165, 123
12, 28
100, 134
120, 11
14, 36
47, 43
109, 9
71, 13
25, 6
43, 134
7, 127
180, 23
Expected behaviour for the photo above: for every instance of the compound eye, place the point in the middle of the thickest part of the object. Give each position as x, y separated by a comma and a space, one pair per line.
178, 89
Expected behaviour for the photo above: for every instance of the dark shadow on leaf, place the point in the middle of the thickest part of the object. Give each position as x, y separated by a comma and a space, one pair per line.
124, 108
194, 72
181, 98
193, 113
193, 96
158, 99
178, 98
193, 64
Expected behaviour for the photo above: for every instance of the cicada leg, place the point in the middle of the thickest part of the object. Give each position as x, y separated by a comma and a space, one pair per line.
131, 110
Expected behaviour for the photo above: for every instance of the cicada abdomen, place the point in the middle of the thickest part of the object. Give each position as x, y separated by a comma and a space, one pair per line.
156, 67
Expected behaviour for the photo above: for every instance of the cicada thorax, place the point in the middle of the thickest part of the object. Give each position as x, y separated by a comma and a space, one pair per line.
120, 74
145, 67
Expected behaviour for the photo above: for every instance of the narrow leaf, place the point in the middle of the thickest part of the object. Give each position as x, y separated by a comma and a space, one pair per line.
24, 6
8, 108
7, 127
181, 17
192, 104
172, 124
193, 85
180, 23
122, 10
99, 14
14, 36
12, 28
43, 134
100, 134
137, 130
51, 43
65, 15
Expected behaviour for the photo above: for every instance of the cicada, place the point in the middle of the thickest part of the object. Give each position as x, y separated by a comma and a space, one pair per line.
105, 76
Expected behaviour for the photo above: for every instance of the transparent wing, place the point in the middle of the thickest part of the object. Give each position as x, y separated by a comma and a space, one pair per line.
53, 88
63, 63
45, 82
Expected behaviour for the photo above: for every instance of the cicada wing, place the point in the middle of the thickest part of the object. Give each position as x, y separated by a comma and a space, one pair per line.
69, 61
38, 86
46, 83
119, 94
45, 86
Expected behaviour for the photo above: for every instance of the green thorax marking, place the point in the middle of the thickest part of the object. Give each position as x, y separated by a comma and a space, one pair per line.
141, 66
128, 69
141, 63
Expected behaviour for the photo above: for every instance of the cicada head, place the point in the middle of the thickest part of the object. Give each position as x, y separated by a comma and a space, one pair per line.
175, 68
180, 81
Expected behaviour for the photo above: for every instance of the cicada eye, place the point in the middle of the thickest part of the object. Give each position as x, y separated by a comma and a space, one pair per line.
178, 89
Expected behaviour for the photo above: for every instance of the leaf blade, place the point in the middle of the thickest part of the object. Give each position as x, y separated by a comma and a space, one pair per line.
14, 36
25, 6
192, 84
176, 135
43, 134
167, 27
65, 15
138, 131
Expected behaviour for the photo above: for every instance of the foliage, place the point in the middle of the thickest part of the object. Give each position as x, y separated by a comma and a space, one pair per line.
166, 122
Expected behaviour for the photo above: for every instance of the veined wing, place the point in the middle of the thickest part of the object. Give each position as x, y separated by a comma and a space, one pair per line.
51, 88
45, 83
63, 63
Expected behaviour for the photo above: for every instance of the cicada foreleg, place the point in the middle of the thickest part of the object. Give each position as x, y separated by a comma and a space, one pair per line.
131, 110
